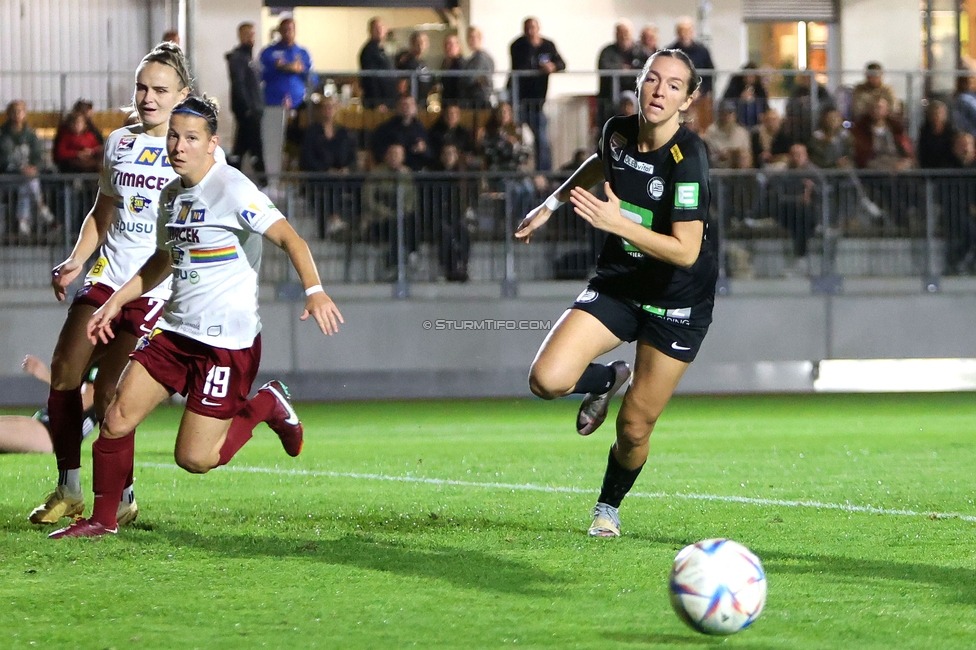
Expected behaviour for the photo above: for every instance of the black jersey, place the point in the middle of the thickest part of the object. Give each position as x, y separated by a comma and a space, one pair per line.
657, 189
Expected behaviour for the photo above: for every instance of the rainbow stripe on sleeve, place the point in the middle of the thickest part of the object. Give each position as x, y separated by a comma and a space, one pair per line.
203, 255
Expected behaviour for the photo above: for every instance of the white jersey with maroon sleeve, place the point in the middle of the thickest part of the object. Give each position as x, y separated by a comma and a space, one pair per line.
214, 231
135, 169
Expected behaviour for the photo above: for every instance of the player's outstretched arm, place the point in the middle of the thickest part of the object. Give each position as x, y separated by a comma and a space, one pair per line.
154, 271
93, 231
318, 305
587, 175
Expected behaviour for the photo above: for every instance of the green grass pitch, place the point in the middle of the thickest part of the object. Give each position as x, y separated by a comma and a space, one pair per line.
461, 524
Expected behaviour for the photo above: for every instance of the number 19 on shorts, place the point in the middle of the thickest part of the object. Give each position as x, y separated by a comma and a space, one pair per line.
218, 380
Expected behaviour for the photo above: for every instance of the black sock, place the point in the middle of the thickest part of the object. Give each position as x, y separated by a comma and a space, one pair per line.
595, 379
617, 481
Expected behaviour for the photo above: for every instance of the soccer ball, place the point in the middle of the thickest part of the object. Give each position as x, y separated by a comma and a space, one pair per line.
717, 586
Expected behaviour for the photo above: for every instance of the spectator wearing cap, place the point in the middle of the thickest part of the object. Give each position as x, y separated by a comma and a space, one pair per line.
873, 87
728, 142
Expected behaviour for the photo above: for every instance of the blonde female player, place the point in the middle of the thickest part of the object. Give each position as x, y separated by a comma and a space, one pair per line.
207, 343
655, 278
121, 227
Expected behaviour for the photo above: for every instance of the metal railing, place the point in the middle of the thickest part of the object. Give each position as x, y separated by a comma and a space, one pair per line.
821, 225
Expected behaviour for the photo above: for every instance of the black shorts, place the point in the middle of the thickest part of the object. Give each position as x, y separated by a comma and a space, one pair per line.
665, 330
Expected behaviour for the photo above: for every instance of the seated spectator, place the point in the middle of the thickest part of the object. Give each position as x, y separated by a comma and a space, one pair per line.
450, 200
871, 89
450, 86
406, 130
964, 150
832, 146
448, 130
412, 59
21, 153
936, 138
880, 140
770, 144
85, 108
76, 148
957, 197
328, 147
801, 109
749, 94
964, 104
728, 142
505, 145
479, 88
797, 198
627, 105
384, 183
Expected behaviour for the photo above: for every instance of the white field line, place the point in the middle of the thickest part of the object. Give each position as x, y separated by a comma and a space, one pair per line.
529, 487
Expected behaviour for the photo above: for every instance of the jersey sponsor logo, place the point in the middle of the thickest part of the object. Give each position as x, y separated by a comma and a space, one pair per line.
250, 212
588, 295
639, 215
655, 188
680, 348
206, 255
141, 181
138, 203
207, 402
676, 154
680, 315
196, 216
617, 144
135, 226
188, 235
184, 211
647, 168
149, 156
98, 267
193, 277
686, 195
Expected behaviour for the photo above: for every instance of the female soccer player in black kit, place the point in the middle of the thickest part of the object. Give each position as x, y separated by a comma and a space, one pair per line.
655, 278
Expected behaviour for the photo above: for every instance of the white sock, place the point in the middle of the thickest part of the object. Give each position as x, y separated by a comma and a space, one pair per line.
71, 480
128, 496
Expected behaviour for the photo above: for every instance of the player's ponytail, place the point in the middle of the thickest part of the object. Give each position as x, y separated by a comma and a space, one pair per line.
205, 107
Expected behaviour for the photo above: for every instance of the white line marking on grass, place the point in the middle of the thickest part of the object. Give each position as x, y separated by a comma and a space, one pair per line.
529, 487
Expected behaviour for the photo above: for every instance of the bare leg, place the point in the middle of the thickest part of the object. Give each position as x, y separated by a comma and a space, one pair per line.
577, 339
20, 434
199, 441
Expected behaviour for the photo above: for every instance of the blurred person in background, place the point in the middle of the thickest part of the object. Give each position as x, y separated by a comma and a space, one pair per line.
413, 59
728, 142
532, 52
405, 129
623, 54
770, 144
957, 196
801, 111
796, 196
748, 92
648, 40
447, 199
881, 141
386, 184
478, 88
964, 104
831, 146
627, 104
22, 153
936, 137
378, 91
246, 99
873, 87
701, 57
448, 130
77, 149
450, 86
328, 147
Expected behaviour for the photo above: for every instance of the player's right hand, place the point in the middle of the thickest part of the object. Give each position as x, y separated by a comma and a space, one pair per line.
99, 327
63, 275
532, 221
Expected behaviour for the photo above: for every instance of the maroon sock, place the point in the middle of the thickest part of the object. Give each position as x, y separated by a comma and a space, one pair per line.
65, 412
262, 405
255, 411
130, 479
111, 464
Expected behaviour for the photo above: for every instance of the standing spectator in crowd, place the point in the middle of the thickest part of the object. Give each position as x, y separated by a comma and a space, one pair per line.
749, 94
648, 40
936, 138
479, 88
532, 52
328, 147
770, 144
964, 104
448, 200
171, 36
832, 146
286, 71
378, 91
801, 110
77, 149
797, 198
453, 61
412, 59
404, 129
685, 41
880, 140
21, 153
448, 131
246, 99
872, 88
728, 142
623, 54
387, 181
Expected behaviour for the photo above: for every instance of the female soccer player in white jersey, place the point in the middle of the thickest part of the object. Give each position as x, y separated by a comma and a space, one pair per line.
122, 223
655, 278
207, 342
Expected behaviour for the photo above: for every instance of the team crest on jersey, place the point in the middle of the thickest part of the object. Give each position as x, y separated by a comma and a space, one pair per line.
177, 255
149, 156
617, 144
655, 188
126, 142
588, 295
196, 216
138, 203
184, 211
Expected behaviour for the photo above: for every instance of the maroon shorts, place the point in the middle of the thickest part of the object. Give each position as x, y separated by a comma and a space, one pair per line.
137, 317
215, 381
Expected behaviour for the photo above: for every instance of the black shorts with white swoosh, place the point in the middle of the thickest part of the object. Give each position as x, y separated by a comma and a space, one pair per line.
666, 330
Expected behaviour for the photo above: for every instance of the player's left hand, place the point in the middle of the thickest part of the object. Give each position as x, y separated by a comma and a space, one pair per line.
602, 215
320, 307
